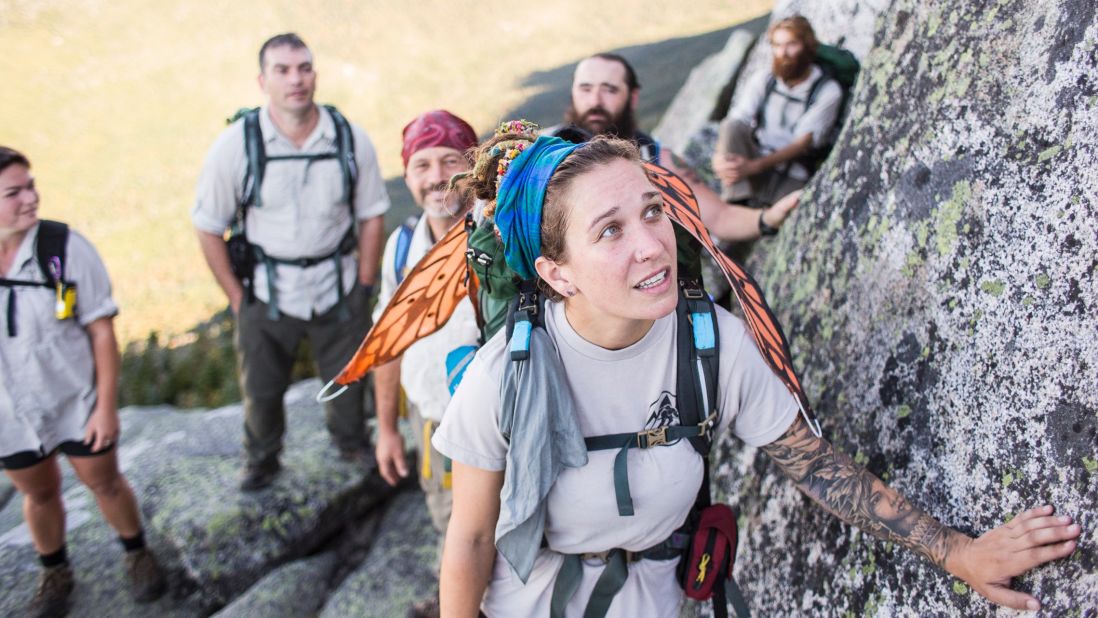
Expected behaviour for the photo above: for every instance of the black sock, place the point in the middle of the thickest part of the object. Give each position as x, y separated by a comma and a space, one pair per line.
133, 543
55, 559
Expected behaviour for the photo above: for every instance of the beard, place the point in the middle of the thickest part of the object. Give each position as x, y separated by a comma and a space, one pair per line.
451, 206
599, 121
792, 69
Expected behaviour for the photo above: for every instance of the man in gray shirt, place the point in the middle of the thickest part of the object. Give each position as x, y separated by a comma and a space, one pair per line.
781, 119
301, 188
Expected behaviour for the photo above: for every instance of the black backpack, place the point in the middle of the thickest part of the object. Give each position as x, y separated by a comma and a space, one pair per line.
49, 250
244, 255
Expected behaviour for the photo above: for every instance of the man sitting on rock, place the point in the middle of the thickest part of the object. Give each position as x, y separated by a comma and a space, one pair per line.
768, 142
605, 92
435, 144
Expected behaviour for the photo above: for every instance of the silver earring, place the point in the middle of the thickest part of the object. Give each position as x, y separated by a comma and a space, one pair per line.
571, 292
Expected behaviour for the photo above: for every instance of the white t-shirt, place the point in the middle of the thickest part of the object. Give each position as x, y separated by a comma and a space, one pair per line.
615, 391
423, 365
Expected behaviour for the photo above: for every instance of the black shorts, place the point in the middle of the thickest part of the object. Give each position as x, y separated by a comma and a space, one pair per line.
72, 448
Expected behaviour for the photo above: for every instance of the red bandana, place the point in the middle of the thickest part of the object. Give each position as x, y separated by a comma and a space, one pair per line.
437, 128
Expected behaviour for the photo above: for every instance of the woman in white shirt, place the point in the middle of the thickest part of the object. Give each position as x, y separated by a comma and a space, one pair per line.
586, 223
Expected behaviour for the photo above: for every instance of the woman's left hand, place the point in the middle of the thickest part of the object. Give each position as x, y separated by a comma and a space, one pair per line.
102, 429
1029, 540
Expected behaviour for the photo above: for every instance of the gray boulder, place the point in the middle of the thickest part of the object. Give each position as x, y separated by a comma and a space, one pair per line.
400, 568
291, 590
937, 285
215, 540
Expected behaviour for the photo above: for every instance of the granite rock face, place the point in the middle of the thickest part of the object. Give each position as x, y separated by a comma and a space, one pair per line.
937, 285
400, 569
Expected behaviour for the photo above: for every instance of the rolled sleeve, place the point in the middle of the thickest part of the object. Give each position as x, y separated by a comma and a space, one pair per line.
371, 199
469, 432
220, 184
93, 284
755, 402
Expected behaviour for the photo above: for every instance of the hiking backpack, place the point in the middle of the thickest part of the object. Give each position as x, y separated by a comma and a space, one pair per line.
506, 301
244, 256
836, 64
50, 253
404, 243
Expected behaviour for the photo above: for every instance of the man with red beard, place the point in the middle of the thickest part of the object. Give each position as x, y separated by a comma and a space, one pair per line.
766, 144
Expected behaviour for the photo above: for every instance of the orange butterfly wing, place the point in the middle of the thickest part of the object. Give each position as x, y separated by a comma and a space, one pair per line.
682, 207
422, 303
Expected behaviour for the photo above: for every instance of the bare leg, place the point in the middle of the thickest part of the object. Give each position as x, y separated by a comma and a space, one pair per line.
43, 509
112, 492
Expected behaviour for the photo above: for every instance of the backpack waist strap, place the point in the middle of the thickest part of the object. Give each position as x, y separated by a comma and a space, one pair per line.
613, 577
347, 245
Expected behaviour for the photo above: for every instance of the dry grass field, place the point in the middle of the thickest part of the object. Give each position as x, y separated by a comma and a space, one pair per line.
116, 102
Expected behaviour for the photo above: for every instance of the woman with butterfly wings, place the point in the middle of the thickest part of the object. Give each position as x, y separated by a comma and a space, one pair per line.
592, 224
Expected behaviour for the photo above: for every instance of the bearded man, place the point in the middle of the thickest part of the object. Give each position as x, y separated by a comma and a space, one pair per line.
766, 143
605, 91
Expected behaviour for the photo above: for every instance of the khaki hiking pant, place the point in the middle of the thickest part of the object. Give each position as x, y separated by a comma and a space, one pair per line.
738, 137
266, 350
434, 478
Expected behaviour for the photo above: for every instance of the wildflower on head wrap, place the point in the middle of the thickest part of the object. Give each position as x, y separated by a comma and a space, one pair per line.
437, 128
521, 127
521, 198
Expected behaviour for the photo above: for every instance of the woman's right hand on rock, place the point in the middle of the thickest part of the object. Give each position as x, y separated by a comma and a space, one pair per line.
1034, 537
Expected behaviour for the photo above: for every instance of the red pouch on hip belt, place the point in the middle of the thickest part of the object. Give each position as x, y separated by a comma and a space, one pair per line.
711, 553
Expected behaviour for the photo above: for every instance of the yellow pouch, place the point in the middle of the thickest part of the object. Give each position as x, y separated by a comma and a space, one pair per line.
65, 306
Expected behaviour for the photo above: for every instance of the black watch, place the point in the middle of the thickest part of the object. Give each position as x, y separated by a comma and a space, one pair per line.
764, 229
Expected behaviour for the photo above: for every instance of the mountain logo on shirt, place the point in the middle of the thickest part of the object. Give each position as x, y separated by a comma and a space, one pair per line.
662, 412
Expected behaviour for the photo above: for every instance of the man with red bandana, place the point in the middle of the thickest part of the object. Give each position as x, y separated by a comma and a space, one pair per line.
783, 116
435, 145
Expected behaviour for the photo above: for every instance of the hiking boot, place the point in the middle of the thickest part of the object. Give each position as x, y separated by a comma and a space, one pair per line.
147, 581
51, 598
361, 457
257, 476
427, 608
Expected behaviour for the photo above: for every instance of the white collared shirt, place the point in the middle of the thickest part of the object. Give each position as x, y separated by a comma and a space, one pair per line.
47, 371
302, 212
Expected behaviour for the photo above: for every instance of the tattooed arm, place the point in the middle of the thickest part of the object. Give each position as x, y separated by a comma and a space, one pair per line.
853, 494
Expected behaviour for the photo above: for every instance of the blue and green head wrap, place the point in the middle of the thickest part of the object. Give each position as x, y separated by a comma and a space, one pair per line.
520, 201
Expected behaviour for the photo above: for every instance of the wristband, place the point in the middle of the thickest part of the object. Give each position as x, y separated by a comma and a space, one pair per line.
764, 229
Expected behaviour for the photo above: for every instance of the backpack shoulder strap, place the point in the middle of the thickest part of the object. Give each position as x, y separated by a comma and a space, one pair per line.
817, 86
52, 244
404, 243
525, 315
697, 360
760, 113
257, 163
345, 146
